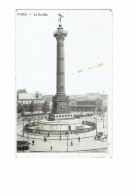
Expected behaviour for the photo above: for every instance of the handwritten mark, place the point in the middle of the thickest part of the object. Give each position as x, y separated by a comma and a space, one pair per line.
89, 68
80, 70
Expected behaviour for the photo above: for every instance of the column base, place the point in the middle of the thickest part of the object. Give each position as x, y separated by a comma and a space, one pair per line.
60, 104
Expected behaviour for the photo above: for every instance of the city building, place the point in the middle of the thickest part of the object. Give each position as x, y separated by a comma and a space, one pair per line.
20, 91
25, 99
103, 96
94, 105
95, 102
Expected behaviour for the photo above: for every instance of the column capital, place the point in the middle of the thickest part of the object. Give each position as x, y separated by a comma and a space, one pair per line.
60, 33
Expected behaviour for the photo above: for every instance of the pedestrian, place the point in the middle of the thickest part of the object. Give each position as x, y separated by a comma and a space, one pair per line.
45, 139
71, 143
51, 148
79, 139
48, 135
33, 142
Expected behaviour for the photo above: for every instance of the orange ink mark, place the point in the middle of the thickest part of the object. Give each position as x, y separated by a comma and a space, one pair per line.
99, 65
80, 70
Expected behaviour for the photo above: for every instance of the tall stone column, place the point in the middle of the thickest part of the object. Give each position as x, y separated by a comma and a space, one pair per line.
60, 100
60, 35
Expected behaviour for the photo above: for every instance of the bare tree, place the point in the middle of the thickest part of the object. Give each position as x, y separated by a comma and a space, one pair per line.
32, 107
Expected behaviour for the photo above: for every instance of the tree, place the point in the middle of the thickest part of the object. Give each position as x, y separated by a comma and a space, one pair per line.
19, 108
32, 107
45, 107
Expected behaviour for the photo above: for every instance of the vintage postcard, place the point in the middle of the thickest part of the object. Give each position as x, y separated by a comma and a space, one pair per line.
64, 83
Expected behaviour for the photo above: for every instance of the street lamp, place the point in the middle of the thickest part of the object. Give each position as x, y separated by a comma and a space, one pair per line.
60, 132
67, 135
103, 121
23, 126
96, 126
38, 114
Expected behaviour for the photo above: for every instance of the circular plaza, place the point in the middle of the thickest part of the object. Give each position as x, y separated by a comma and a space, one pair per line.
60, 128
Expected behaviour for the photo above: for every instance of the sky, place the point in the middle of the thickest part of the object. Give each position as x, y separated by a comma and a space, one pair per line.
88, 51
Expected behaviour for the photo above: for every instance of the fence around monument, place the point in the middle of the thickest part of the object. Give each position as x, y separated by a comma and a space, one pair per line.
58, 132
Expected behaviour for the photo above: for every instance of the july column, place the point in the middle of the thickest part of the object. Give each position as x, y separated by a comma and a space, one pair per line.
60, 35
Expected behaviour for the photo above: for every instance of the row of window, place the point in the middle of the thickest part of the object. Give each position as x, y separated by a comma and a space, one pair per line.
29, 102
81, 109
66, 115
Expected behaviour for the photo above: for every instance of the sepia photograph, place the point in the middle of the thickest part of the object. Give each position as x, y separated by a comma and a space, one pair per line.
64, 83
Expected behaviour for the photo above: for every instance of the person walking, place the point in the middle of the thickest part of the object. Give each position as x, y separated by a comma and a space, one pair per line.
71, 143
79, 139
45, 139
33, 142
51, 148
48, 135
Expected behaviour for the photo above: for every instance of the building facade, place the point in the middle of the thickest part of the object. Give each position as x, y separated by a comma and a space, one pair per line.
95, 105
25, 99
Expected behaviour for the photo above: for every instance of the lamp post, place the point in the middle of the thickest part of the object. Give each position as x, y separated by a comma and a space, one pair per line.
27, 137
67, 135
60, 132
103, 121
38, 114
23, 126
86, 118
96, 126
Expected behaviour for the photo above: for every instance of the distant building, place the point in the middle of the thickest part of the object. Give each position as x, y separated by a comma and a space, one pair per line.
81, 97
26, 99
47, 97
93, 95
72, 97
103, 96
88, 102
21, 91
98, 96
94, 105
